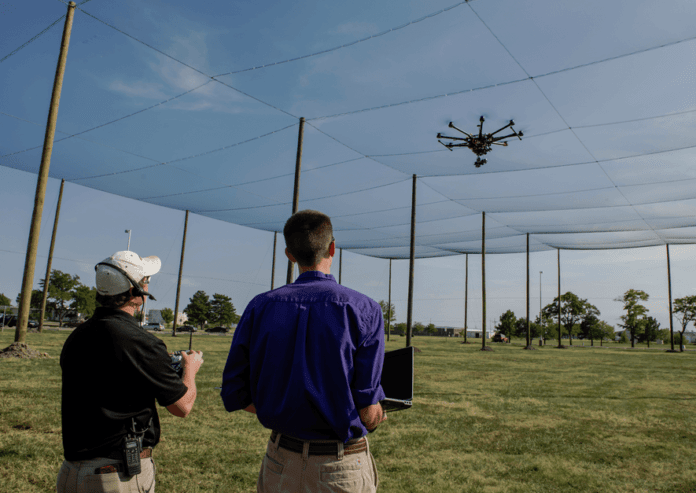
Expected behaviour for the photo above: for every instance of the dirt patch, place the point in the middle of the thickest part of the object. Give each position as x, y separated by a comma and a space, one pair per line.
21, 350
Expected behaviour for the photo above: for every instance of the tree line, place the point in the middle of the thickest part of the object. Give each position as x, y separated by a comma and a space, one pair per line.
67, 295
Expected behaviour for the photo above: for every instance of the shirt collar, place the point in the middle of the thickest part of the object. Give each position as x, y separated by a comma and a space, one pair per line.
313, 275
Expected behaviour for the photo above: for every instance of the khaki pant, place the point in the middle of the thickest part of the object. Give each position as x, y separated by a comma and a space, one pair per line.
285, 471
79, 477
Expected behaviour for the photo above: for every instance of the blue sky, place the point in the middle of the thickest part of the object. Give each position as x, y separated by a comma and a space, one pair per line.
602, 90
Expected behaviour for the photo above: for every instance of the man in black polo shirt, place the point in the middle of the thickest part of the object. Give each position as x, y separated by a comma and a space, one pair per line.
113, 371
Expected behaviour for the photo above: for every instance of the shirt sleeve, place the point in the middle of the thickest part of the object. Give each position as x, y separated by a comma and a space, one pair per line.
236, 388
368, 361
154, 364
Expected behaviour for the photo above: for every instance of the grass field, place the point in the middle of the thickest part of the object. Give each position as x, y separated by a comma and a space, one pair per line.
582, 419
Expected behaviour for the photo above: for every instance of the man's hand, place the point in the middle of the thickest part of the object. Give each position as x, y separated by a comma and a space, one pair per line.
372, 416
191, 361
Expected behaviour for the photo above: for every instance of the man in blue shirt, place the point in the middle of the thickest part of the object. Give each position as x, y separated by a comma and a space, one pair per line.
307, 360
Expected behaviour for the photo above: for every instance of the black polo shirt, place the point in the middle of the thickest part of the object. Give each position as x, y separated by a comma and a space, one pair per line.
113, 370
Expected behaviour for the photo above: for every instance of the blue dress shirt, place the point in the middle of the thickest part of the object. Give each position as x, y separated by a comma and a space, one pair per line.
308, 355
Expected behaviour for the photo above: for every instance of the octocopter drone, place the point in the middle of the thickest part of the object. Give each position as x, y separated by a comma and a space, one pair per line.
480, 145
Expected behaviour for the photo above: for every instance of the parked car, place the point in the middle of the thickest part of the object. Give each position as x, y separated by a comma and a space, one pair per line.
219, 329
153, 326
499, 337
11, 322
186, 328
32, 324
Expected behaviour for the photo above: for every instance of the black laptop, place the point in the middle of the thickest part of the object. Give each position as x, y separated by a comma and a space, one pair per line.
397, 379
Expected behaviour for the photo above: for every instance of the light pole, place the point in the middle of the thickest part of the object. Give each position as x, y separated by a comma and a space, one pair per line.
129, 234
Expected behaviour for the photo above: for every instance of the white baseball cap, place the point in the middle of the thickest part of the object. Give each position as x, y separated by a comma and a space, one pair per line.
123, 270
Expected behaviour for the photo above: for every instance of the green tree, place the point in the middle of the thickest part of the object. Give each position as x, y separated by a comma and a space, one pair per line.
573, 310
167, 315
635, 312
4, 300
418, 327
507, 324
84, 300
138, 315
36, 299
399, 329
430, 329
685, 311
386, 314
605, 331
521, 329
651, 329
222, 311
60, 292
198, 309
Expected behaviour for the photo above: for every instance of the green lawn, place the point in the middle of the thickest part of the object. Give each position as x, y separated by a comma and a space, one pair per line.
582, 419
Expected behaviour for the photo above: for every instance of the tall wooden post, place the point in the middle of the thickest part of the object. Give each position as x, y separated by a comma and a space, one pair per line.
412, 262
181, 269
529, 324
466, 298
389, 305
669, 287
275, 240
296, 192
483, 283
35, 228
47, 279
560, 346
340, 264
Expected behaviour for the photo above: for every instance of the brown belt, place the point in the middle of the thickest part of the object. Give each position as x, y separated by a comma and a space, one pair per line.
318, 447
145, 454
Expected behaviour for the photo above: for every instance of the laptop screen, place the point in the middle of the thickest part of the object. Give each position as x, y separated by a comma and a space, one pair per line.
397, 374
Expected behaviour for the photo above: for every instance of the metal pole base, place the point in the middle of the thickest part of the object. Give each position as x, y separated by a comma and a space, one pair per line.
672, 351
530, 347
487, 348
561, 347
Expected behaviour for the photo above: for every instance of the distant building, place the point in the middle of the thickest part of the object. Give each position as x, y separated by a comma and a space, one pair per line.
181, 318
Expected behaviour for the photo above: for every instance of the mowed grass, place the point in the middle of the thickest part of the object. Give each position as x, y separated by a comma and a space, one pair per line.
582, 419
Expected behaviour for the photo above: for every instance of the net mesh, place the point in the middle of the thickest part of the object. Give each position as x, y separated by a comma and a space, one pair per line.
194, 108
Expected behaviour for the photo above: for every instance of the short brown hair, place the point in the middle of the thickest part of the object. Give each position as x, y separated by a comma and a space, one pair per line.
308, 235
115, 301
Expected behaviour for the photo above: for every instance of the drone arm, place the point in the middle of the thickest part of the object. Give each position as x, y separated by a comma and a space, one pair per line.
503, 128
459, 129
447, 146
505, 137
440, 136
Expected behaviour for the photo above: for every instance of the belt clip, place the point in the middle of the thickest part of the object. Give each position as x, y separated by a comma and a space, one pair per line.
305, 450
339, 454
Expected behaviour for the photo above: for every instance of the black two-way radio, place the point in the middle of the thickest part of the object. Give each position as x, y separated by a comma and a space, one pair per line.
132, 447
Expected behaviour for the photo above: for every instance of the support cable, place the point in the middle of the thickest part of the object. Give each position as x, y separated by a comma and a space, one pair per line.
34, 38
368, 38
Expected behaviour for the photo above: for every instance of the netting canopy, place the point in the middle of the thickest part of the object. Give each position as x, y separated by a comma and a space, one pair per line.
196, 106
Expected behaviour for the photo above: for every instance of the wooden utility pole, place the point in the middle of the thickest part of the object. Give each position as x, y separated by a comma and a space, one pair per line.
411, 266
669, 287
529, 325
483, 283
35, 228
559, 300
466, 298
389, 306
47, 279
181, 269
296, 191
